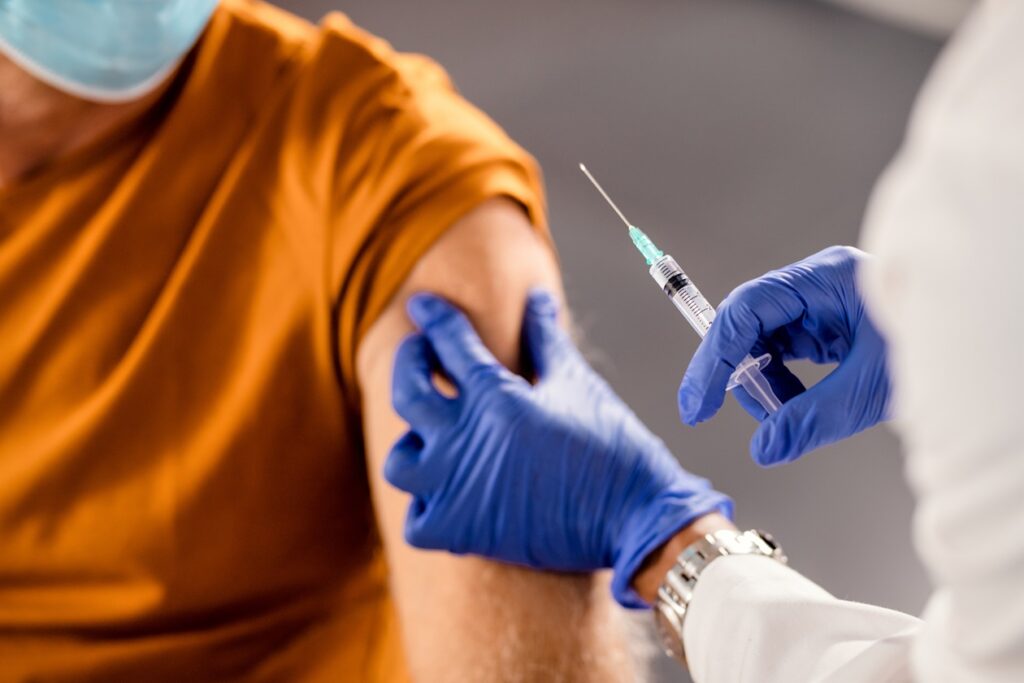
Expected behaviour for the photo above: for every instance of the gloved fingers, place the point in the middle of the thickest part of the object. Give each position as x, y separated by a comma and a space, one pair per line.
809, 338
545, 341
827, 412
824, 337
695, 405
749, 315
413, 394
403, 470
460, 349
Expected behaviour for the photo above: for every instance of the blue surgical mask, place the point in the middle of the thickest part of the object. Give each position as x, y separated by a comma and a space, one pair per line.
101, 50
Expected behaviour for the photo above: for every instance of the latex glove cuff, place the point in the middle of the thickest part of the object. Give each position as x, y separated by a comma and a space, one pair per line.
652, 527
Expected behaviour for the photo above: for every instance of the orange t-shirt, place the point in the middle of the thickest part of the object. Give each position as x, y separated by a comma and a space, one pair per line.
183, 492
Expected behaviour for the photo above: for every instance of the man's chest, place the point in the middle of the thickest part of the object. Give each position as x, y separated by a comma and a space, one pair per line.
164, 383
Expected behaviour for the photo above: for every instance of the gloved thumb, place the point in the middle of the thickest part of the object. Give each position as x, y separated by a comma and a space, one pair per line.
542, 336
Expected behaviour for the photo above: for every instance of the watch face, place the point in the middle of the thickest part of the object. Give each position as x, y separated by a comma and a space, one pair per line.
671, 640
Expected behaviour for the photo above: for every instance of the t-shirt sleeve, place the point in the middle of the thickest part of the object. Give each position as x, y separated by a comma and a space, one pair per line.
413, 157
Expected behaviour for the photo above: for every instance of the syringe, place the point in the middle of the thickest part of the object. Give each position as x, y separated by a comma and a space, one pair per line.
694, 307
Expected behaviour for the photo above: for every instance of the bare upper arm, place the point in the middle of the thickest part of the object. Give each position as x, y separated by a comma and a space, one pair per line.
465, 618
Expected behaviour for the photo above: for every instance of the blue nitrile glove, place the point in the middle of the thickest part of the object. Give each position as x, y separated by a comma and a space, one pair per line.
811, 309
560, 475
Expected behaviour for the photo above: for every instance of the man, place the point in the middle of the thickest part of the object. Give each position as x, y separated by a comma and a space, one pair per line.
203, 257
560, 474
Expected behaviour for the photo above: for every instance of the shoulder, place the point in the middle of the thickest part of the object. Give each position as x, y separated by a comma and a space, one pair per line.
334, 66
254, 42
248, 53
261, 19
361, 78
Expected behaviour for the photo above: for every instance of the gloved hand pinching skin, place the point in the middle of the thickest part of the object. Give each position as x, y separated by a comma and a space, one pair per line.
557, 475
811, 309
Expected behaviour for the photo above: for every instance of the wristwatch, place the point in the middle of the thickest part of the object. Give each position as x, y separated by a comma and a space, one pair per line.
676, 590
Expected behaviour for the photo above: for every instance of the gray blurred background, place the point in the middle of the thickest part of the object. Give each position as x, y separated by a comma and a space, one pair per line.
742, 135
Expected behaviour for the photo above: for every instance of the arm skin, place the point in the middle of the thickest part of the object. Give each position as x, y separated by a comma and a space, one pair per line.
464, 618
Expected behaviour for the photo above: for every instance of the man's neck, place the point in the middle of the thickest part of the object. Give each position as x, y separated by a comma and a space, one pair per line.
39, 124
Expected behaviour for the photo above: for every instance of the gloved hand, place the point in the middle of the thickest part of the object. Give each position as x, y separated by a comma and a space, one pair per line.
558, 475
811, 309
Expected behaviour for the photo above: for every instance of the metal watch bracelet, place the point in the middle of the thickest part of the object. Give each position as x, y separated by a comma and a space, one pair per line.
676, 590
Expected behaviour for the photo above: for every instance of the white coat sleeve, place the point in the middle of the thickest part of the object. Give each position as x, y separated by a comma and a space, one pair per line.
936, 17
947, 287
754, 620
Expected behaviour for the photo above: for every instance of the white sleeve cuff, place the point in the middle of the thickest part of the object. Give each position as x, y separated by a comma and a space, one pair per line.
754, 619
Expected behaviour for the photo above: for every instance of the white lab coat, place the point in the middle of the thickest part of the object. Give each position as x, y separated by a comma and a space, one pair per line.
946, 223
937, 17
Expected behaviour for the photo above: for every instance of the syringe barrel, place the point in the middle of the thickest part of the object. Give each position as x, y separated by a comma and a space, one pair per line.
700, 314
683, 293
